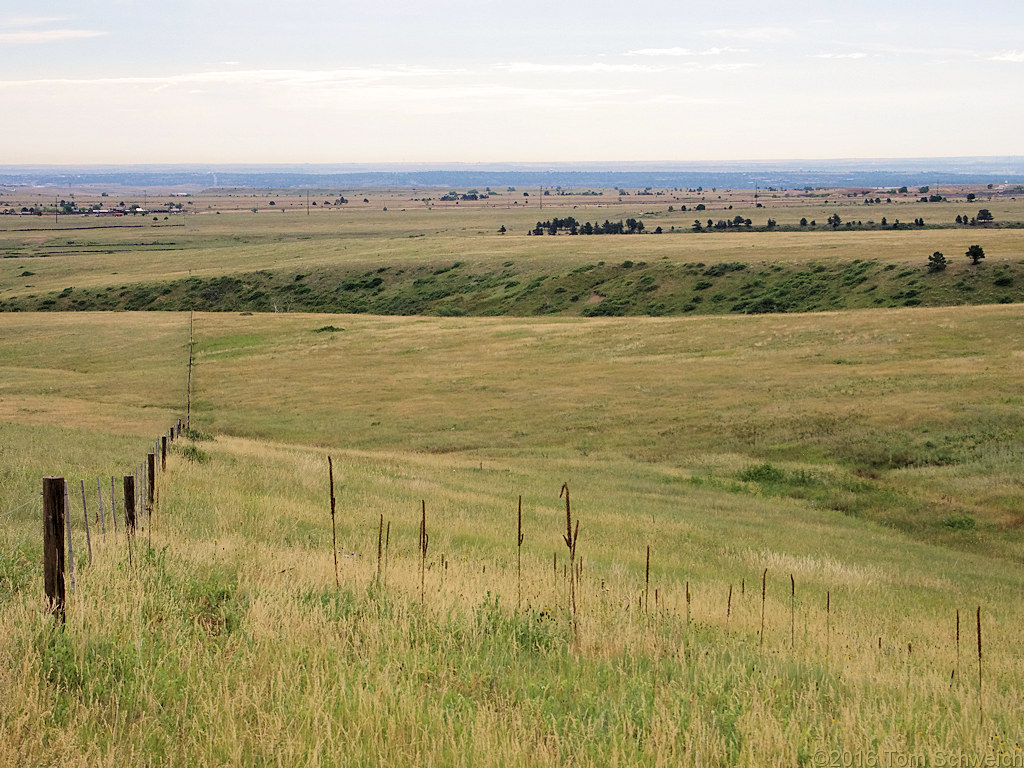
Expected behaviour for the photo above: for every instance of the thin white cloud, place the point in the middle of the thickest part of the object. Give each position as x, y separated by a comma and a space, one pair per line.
759, 34
33, 36
934, 53
735, 67
663, 52
252, 77
527, 67
31, 21
1015, 56
677, 51
673, 99
857, 55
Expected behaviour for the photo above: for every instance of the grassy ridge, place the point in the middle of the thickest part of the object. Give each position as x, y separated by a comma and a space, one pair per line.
403, 260
591, 289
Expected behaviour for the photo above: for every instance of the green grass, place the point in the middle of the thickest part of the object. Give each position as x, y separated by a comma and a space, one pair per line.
594, 290
363, 259
849, 450
870, 454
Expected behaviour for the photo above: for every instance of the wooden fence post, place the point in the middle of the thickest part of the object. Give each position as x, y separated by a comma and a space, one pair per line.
85, 512
129, 512
163, 453
129, 505
53, 544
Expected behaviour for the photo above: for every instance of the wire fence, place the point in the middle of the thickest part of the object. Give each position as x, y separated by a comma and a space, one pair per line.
10, 513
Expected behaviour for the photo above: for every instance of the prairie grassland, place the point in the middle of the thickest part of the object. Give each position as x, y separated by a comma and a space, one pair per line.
74, 253
873, 456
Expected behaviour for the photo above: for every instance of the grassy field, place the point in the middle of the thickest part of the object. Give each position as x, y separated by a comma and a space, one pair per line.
870, 456
394, 254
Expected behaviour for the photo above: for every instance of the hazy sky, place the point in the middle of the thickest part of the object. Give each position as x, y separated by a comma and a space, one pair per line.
126, 81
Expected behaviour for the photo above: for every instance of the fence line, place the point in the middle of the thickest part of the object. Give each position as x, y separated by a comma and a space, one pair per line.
140, 500
59, 554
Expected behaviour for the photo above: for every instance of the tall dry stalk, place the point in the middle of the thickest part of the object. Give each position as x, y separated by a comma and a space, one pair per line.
334, 529
647, 581
958, 645
687, 605
519, 558
792, 612
764, 583
981, 711
728, 610
380, 548
387, 551
828, 622
570, 538
424, 540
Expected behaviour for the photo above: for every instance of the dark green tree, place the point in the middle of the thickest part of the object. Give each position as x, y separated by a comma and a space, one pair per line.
936, 262
975, 253
984, 215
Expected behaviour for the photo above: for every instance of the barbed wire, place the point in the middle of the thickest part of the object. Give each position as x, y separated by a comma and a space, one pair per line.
17, 546
10, 512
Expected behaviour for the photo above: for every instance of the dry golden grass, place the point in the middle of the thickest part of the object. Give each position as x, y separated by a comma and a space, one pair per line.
229, 644
226, 238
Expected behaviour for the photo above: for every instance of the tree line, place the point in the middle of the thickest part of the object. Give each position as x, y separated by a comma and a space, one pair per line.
573, 227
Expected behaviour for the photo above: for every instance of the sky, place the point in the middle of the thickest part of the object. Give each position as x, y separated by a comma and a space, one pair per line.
448, 81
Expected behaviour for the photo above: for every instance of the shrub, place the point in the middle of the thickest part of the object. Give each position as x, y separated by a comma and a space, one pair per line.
959, 522
195, 454
762, 473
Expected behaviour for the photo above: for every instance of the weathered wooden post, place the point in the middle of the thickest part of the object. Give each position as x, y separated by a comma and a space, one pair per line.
53, 544
85, 512
163, 453
129, 512
129, 505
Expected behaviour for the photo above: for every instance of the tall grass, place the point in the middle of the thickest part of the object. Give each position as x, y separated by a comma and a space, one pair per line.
229, 642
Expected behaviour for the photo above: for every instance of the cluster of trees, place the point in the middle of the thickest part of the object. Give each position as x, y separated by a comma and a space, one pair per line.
984, 215
573, 227
937, 262
470, 195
